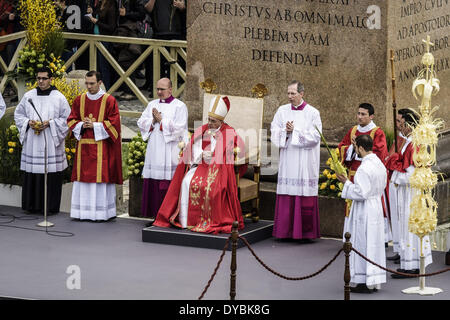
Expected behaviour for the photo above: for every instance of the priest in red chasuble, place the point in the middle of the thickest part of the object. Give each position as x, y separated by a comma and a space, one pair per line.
365, 126
350, 158
203, 193
95, 123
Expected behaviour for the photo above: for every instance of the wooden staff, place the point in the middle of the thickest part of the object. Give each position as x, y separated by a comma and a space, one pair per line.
394, 103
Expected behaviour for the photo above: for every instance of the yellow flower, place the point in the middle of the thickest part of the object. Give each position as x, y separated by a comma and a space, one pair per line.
333, 176
329, 175
67, 150
332, 187
73, 150
69, 157
325, 172
10, 150
39, 18
10, 144
328, 161
323, 186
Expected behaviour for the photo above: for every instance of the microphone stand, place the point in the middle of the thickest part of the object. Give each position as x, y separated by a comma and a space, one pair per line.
44, 223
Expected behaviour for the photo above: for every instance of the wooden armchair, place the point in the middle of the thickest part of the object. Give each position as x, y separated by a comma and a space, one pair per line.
246, 117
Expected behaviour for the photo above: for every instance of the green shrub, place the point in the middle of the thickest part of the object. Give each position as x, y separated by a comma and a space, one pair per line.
10, 152
136, 156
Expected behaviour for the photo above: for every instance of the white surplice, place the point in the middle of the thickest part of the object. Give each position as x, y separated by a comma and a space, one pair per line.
298, 173
161, 157
393, 205
56, 109
365, 222
351, 155
93, 201
400, 195
2, 106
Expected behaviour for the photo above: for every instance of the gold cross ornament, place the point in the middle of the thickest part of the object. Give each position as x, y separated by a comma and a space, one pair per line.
428, 43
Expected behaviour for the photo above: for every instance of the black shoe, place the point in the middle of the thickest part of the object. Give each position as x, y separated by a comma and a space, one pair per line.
305, 240
386, 245
414, 271
401, 276
397, 261
362, 288
396, 257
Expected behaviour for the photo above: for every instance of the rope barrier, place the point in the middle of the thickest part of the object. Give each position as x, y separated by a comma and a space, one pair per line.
285, 277
399, 273
216, 269
347, 248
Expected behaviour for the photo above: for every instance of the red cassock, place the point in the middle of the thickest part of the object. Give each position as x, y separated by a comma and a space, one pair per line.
97, 161
379, 148
213, 198
398, 161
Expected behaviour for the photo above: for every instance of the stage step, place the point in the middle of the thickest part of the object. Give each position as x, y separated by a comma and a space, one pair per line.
253, 232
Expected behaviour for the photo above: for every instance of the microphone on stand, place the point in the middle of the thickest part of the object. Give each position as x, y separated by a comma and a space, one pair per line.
44, 223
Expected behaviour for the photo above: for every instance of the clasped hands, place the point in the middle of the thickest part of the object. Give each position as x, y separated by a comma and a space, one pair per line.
207, 156
38, 126
157, 116
88, 123
289, 126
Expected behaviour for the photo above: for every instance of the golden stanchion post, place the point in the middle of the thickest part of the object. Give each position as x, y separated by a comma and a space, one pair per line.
233, 266
347, 278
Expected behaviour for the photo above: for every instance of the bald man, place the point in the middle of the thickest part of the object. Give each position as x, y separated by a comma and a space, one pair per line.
163, 125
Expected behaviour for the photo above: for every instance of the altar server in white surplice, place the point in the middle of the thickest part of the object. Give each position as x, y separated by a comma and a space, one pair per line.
54, 109
365, 222
293, 131
400, 193
163, 124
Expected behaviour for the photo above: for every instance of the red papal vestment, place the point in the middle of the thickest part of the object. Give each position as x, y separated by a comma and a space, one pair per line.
213, 196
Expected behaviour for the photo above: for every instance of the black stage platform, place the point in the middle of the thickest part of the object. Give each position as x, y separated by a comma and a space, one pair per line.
253, 232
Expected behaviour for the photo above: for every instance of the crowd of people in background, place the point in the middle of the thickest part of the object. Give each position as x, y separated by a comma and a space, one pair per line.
155, 19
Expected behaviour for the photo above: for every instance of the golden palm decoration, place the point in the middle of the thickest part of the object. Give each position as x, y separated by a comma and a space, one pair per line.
423, 207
